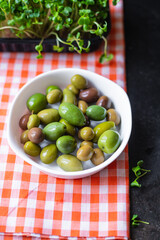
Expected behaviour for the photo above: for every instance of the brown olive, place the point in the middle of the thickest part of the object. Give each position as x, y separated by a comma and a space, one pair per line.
86, 143
23, 121
87, 120
82, 106
89, 95
98, 156
86, 133
104, 101
85, 153
24, 137
35, 135
113, 115
79, 135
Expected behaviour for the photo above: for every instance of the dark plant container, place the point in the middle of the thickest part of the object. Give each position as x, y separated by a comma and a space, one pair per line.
28, 45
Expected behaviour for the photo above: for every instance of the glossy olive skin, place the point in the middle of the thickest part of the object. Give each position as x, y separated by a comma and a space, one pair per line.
72, 114
33, 121
73, 89
86, 143
54, 96
36, 102
79, 82
82, 106
86, 133
48, 115
66, 144
36, 135
49, 153
71, 130
113, 115
89, 95
85, 153
54, 130
51, 87
87, 124
69, 163
96, 113
109, 141
98, 156
101, 128
104, 101
32, 149
69, 97
24, 137
23, 121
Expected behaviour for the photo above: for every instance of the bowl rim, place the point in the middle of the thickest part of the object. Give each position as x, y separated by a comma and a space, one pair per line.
85, 172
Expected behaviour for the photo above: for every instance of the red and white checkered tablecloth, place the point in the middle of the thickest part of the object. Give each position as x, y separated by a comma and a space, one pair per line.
37, 206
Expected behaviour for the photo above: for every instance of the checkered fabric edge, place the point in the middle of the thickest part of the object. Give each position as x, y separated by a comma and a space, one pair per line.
33, 203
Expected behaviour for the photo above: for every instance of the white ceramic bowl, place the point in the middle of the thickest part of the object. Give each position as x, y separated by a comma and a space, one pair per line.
61, 77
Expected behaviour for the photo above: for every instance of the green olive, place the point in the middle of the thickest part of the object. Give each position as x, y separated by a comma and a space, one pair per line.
52, 87
86, 133
66, 144
33, 121
36, 102
48, 115
101, 128
86, 143
24, 137
71, 130
69, 97
85, 153
72, 114
32, 149
69, 163
49, 153
82, 106
73, 89
109, 141
54, 96
98, 156
96, 113
113, 115
54, 130
79, 82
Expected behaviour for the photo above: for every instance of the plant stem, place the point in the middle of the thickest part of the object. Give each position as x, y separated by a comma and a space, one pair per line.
15, 28
105, 44
75, 29
145, 170
59, 39
141, 221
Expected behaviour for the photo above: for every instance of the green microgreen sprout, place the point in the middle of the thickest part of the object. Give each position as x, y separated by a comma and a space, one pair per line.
139, 172
72, 20
136, 221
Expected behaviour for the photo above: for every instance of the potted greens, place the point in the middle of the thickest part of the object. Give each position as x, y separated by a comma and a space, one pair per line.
68, 25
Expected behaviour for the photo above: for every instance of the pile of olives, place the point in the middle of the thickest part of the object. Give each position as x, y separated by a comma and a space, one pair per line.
62, 128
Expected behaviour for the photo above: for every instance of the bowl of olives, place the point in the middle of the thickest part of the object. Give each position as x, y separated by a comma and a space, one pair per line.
69, 123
